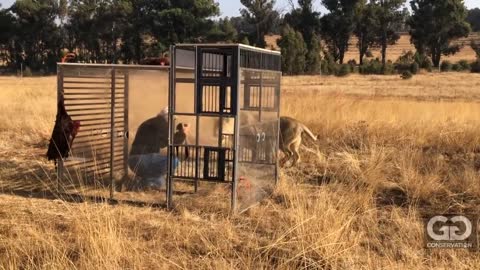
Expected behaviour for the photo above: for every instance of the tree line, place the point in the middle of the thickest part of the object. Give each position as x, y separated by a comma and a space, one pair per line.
37, 33
434, 26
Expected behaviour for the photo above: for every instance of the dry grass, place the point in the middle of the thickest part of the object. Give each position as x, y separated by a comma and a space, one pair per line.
428, 86
382, 163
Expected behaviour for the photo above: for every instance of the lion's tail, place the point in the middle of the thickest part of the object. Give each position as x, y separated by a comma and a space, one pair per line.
309, 132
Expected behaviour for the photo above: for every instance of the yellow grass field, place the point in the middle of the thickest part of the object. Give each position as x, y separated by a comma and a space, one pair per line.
390, 151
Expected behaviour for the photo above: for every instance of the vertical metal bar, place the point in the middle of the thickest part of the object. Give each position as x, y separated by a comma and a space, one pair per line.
221, 100
236, 83
277, 91
198, 66
277, 99
126, 88
112, 133
200, 100
220, 130
216, 101
60, 165
260, 92
171, 102
210, 98
247, 89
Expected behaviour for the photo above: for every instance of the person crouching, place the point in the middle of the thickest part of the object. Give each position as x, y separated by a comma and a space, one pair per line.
145, 159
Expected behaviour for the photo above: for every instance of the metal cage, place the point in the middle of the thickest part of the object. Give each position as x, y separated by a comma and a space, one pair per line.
228, 94
235, 111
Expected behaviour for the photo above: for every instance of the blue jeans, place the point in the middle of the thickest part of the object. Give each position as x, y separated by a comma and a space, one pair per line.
152, 168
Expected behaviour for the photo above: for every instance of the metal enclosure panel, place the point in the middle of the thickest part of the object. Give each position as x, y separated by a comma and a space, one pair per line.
233, 108
224, 96
258, 134
109, 101
89, 96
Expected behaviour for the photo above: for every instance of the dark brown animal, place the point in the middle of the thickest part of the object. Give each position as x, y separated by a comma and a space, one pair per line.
63, 134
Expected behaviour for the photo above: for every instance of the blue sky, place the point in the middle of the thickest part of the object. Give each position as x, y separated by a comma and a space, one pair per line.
232, 7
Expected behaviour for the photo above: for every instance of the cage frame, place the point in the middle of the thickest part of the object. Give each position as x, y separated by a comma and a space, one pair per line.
61, 67
237, 67
275, 66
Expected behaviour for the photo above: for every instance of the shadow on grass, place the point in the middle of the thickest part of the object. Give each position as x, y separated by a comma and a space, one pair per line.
37, 179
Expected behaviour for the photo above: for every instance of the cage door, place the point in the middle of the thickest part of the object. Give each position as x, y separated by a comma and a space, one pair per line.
214, 164
216, 81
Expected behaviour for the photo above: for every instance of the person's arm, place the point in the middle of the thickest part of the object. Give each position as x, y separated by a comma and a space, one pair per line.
161, 132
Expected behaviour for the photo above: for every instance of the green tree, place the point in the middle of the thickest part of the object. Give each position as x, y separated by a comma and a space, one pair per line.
133, 47
243, 27
313, 59
366, 27
182, 21
474, 19
305, 20
338, 26
260, 14
435, 24
62, 11
293, 50
6, 33
37, 41
389, 16
222, 31
109, 30
96, 27
112, 22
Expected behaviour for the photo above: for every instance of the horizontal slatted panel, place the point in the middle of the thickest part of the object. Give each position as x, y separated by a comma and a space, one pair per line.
88, 98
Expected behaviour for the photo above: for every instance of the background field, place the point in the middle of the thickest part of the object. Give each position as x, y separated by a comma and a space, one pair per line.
389, 152
394, 51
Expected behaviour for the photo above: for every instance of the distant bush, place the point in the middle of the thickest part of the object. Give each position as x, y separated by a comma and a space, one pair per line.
475, 66
328, 67
27, 72
476, 47
343, 70
352, 62
245, 41
423, 61
406, 57
353, 65
373, 66
407, 62
456, 67
446, 66
389, 68
415, 67
464, 64
406, 75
